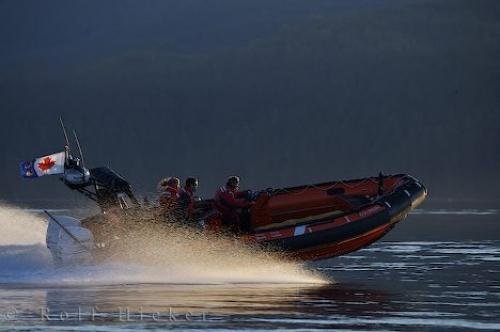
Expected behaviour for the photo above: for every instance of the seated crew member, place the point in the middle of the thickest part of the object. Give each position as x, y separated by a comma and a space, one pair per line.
187, 197
228, 200
169, 194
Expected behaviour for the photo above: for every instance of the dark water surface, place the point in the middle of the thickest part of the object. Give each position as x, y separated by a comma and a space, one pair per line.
410, 286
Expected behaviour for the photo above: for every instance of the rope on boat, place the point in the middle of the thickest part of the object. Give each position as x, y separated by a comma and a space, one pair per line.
343, 183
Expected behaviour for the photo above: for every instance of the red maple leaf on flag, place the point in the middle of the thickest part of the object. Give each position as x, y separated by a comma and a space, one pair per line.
46, 164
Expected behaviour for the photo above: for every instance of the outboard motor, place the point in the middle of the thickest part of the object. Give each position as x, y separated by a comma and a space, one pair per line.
68, 242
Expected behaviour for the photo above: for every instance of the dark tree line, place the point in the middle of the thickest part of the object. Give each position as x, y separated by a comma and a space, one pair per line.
400, 88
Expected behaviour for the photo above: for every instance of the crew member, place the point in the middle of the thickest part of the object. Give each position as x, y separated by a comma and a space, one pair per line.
169, 194
187, 197
228, 200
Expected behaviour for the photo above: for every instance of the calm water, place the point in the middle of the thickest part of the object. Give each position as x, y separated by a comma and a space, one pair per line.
396, 285
410, 286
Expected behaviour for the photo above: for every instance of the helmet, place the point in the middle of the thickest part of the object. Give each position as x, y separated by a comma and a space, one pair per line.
233, 181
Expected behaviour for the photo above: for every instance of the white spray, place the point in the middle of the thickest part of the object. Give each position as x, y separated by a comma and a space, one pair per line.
175, 257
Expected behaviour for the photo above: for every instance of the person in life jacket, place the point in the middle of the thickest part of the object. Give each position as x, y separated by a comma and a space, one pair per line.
169, 194
229, 200
187, 197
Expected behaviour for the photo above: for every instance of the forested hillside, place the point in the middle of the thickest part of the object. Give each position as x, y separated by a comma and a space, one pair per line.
340, 92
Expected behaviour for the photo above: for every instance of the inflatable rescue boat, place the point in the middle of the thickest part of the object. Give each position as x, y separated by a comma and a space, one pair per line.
309, 222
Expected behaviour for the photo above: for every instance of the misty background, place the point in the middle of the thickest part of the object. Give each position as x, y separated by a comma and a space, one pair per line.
280, 92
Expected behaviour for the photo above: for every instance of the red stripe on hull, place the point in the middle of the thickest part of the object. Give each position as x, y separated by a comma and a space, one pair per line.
344, 247
312, 227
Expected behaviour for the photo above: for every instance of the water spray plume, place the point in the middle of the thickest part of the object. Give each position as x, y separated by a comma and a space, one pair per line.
193, 257
147, 255
20, 227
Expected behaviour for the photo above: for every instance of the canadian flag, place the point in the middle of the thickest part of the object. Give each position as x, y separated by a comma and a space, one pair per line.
51, 164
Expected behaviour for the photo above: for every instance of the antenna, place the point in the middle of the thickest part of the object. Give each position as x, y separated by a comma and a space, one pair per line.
64, 131
79, 148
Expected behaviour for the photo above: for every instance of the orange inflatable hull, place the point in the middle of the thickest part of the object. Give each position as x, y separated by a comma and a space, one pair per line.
331, 219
